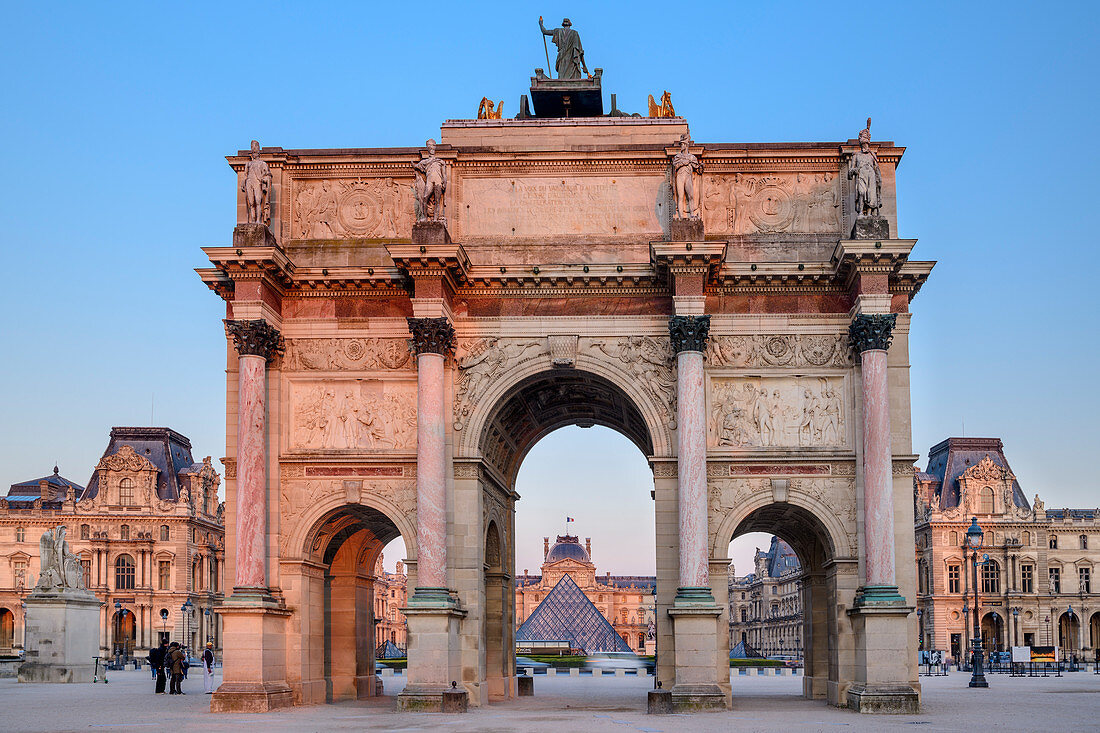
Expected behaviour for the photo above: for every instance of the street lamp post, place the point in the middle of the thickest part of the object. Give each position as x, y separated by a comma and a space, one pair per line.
920, 629
209, 635
164, 621
1016, 625
966, 628
186, 609
974, 537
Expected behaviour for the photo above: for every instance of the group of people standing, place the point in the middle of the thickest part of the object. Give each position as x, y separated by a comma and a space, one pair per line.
169, 663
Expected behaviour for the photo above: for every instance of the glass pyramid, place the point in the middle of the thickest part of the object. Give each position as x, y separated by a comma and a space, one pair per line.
566, 614
744, 651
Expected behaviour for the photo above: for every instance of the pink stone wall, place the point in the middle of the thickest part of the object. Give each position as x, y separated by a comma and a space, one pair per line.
877, 479
251, 472
431, 497
692, 469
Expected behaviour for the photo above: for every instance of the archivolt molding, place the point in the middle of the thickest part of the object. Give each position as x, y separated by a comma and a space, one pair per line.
481, 399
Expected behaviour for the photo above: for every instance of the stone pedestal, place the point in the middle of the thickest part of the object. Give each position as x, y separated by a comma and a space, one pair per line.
254, 664
253, 235
871, 227
685, 230
882, 650
434, 657
696, 633
659, 702
526, 685
430, 232
62, 637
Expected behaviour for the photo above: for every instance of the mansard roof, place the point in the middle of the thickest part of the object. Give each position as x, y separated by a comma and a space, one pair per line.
166, 449
566, 614
950, 458
30, 490
781, 558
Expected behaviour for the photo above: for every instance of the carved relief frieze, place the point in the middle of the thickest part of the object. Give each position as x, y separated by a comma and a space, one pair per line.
647, 360
778, 350
755, 412
341, 354
803, 203
298, 497
483, 361
378, 208
353, 415
729, 494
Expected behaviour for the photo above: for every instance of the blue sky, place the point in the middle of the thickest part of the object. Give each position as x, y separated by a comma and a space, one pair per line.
118, 117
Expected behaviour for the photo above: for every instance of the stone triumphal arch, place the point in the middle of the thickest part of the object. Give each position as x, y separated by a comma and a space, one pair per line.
403, 324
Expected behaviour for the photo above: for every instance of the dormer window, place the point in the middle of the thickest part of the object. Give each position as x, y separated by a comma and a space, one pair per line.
126, 492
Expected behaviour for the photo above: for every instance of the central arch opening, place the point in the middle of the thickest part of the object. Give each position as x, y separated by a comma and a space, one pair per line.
570, 585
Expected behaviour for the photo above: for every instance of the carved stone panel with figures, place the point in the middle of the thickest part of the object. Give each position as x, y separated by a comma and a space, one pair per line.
778, 411
353, 415
801, 203
342, 354
379, 208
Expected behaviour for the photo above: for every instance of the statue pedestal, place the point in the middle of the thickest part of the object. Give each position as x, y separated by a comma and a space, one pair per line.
430, 232
253, 235
434, 658
697, 659
567, 97
62, 637
685, 230
871, 227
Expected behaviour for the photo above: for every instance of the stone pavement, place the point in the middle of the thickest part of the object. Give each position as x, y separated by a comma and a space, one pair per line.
1071, 703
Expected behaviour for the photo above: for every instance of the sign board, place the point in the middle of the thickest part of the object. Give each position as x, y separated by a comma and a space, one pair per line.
1044, 654
1021, 654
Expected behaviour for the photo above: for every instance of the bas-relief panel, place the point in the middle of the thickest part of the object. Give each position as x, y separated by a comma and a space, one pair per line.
541, 207
333, 354
353, 414
781, 412
798, 203
379, 208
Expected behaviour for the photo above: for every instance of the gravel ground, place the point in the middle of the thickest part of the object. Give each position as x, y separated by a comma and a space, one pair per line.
1070, 703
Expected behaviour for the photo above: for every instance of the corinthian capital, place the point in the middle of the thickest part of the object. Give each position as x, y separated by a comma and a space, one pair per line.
689, 333
255, 338
432, 335
871, 332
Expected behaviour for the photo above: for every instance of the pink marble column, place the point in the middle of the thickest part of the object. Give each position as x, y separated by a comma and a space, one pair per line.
433, 338
256, 343
870, 336
689, 338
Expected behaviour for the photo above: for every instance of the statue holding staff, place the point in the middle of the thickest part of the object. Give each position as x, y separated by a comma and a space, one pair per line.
864, 168
257, 183
570, 60
684, 166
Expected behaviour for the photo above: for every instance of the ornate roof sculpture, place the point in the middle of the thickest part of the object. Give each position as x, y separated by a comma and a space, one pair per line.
982, 459
166, 450
566, 614
567, 547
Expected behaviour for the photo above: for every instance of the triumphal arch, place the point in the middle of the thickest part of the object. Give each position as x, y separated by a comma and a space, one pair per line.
403, 324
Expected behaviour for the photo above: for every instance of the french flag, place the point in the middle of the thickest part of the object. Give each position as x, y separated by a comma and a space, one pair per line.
570, 519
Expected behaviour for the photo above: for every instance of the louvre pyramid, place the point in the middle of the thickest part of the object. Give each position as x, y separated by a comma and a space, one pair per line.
566, 614
744, 651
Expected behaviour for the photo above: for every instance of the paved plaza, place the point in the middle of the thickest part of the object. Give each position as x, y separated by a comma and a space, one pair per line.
1070, 703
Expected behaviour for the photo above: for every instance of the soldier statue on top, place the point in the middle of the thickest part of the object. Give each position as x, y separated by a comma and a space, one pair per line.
256, 186
570, 60
864, 168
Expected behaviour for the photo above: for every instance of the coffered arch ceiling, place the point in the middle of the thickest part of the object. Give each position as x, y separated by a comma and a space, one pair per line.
554, 399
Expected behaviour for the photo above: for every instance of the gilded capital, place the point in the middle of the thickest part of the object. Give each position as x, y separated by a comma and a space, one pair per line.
255, 338
689, 333
432, 335
871, 332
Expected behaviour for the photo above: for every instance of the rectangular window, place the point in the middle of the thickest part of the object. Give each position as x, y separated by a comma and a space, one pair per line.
1027, 578
20, 534
952, 578
1084, 576
86, 565
1055, 580
20, 571
164, 580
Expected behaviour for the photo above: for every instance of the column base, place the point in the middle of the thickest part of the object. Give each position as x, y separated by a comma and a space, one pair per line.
253, 598
432, 699
688, 595
872, 596
884, 699
426, 597
250, 697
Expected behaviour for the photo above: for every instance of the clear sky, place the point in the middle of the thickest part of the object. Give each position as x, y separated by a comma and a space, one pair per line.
118, 117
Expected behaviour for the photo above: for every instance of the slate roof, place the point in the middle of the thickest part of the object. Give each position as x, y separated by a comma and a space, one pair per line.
567, 547
1073, 513
948, 459
781, 558
30, 490
166, 449
566, 614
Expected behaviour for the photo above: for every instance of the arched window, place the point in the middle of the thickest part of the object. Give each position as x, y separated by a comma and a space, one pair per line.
124, 532
986, 496
991, 577
165, 533
124, 572
85, 531
126, 492
1054, 542
1084, 541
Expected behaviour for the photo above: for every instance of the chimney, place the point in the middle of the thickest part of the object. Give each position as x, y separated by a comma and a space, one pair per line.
545, 547
44, 489
588, 546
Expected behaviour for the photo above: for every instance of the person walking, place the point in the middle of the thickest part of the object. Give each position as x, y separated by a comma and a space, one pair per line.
157, 659
176, 661
208, 668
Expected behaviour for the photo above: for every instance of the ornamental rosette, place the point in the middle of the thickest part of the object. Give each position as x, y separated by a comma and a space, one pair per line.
689, 333
255, 338
431, 335
872, 332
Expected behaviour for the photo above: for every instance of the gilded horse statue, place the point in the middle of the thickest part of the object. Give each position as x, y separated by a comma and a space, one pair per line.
486, 112
664, 109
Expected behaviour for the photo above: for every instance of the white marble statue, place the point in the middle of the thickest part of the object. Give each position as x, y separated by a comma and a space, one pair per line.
684, 167
60, 567
256, 186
